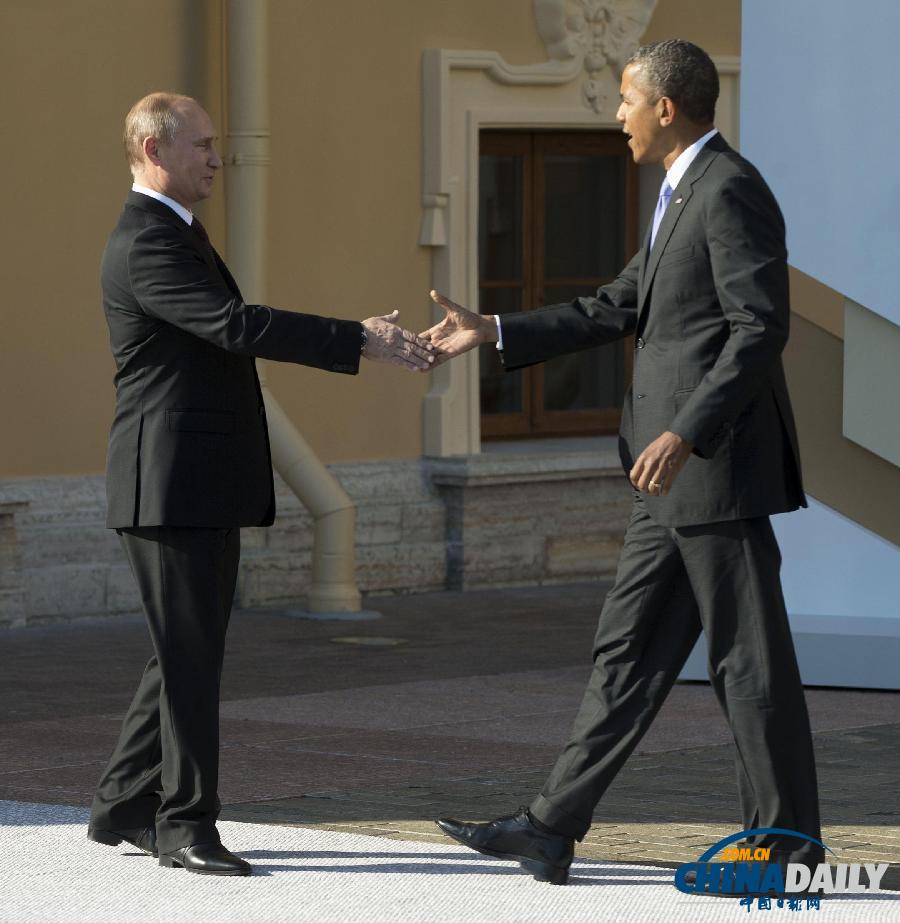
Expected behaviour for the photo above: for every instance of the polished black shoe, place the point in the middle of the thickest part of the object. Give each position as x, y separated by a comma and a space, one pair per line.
546, 855
144, 838
206, 859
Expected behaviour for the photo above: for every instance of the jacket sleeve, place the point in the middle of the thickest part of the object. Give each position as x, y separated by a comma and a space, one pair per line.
171, 282
745, 235
534, 336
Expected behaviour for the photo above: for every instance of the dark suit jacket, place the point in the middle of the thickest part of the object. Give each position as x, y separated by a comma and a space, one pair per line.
189, 444
710, 309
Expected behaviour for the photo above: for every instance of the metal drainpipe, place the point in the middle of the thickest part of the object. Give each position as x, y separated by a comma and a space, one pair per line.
246, 180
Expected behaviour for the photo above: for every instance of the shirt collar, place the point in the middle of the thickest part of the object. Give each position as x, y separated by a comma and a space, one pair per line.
176, 207
686, 158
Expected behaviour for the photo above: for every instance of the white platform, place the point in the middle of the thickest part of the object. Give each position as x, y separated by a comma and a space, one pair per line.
50, 873
842, 591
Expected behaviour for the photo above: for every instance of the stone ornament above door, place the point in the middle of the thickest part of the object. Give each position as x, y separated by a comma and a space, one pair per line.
601, 33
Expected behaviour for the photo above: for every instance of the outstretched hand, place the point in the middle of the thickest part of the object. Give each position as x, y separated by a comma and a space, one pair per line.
459, 331
388, 342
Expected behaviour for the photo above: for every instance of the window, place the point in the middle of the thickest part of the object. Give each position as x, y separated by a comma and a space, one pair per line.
557, 219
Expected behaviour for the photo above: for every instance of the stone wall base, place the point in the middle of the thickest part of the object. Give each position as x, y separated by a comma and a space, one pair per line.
430, 524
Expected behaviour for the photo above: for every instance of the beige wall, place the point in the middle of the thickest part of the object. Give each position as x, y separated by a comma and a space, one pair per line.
713, 26
817, 303
70, 71
345, 191
837, 472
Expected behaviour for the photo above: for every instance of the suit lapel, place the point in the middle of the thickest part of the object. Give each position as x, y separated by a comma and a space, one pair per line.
642, 273
680, 198
224, 273
206, 250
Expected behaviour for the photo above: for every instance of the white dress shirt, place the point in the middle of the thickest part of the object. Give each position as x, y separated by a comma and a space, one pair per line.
686, 158
176, 207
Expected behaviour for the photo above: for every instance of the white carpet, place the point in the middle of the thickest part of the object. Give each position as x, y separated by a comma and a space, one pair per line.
50, 872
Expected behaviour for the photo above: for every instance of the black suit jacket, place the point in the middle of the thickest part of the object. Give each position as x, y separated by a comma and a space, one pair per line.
189, 444
709, 306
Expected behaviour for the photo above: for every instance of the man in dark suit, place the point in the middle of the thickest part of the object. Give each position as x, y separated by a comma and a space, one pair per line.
188, 466
708, 442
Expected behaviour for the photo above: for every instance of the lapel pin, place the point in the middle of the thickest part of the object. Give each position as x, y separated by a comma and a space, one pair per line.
679, 200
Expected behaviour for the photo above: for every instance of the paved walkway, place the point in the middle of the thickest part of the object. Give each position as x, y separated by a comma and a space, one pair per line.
343, 740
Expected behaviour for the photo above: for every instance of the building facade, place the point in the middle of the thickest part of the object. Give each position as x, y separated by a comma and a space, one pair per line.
373, 152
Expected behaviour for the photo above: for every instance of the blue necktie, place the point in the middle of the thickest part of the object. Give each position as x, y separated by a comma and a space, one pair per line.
665, 193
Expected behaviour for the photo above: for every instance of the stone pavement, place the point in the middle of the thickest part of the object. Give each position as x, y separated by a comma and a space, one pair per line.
450, 703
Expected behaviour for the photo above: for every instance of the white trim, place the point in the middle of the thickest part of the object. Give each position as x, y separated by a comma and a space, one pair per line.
727, 65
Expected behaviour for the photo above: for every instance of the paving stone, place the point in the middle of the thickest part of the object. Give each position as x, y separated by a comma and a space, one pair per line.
465, 719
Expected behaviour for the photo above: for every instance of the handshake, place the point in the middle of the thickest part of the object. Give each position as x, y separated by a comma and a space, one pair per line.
459, 331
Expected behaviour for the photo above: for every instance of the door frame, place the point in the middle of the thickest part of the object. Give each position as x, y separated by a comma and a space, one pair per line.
534, 421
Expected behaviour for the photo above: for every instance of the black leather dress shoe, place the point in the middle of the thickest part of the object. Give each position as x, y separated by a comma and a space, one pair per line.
546, 855
144, 838
206, 859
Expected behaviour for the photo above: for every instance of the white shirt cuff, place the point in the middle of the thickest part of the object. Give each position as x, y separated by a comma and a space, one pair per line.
499, 333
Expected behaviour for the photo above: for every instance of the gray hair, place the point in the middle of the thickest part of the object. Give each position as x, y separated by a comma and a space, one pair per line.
683, 72
154, 116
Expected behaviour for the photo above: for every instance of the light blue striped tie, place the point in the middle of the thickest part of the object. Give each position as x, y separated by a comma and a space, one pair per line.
665, 193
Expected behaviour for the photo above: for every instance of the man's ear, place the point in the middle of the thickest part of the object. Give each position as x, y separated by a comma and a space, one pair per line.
151, 150
665, 110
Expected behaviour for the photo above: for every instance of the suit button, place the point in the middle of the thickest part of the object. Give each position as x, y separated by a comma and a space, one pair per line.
262, 410
639, 396
640, 343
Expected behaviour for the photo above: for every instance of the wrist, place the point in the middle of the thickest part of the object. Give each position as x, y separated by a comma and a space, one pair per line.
488, 332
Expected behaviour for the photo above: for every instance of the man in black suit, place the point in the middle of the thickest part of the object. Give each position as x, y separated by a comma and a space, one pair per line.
188, 466
708, 442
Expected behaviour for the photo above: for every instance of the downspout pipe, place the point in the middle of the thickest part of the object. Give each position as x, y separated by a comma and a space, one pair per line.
247, 160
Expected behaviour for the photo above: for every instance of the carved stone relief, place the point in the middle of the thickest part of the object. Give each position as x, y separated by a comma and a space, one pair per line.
602, 33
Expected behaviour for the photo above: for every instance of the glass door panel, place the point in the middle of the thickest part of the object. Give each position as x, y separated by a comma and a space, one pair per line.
501, 391
584, 205
504, 269
500, 208
593, 378
557, 216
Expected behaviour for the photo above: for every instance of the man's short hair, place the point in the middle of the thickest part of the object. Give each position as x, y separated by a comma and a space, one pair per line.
154, 116
683, 72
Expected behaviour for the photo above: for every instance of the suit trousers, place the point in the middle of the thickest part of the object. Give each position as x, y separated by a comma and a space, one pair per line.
723, 579
165, 766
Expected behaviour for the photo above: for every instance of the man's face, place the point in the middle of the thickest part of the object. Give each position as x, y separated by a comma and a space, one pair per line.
640, 118
190, 162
